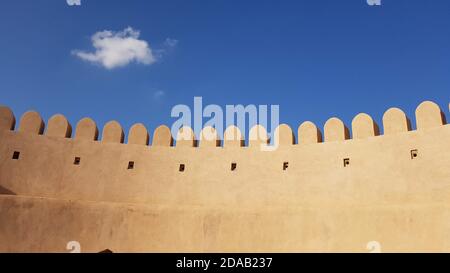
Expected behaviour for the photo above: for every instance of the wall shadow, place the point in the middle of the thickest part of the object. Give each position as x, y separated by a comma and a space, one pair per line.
5, 191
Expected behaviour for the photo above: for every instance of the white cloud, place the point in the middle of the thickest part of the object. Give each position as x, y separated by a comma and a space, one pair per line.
73, 2
117, 49
157, 95
166, 48
170, 43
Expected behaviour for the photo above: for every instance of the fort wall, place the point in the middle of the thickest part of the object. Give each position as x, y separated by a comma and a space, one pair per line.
219, 192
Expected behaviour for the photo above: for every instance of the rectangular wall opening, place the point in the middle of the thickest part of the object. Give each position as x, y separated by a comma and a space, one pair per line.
233, 166
181, 168
285, 165
414, 153
77, 161
130, 165
16, 155
346, 162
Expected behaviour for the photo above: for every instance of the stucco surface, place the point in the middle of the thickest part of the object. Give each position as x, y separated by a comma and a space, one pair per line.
317, 203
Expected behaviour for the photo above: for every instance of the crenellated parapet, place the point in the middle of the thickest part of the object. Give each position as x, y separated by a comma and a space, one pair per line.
31, 122
138, 134
395, 121
86, 130
7, 119
58, 126
427, 115
386, 181
308, 133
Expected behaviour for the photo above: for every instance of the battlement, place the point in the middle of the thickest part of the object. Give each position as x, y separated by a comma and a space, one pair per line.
49, 163
306, 195
428, 115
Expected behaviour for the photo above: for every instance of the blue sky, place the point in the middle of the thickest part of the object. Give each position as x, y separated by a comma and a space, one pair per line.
316, 59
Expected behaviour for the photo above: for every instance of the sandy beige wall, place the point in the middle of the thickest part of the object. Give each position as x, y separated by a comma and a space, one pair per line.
381, 171
316, 204
43, 225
